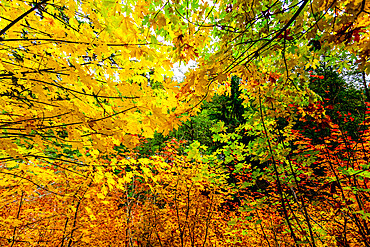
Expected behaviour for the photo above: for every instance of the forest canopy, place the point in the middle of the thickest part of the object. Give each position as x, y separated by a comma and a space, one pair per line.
264, 142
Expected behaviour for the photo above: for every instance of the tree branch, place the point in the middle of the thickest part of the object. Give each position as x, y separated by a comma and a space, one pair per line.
21, 17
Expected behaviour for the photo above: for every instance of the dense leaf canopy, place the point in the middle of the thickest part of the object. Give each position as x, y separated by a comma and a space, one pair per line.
85, 86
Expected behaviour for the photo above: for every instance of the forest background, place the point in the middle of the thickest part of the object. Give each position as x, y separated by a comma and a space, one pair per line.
263, 142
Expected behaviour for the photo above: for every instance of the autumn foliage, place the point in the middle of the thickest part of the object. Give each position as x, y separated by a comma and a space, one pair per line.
86, 85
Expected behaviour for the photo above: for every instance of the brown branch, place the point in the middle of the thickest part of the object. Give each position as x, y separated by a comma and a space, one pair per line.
280, 189
76, 42
69, 124
30, 119
64, 232
19, 210
75, 216
21, 17
208, 221
29, 180
367, 93
86, 94
259, 50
